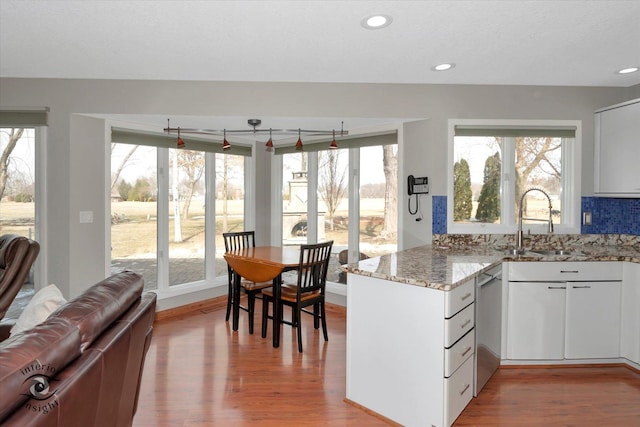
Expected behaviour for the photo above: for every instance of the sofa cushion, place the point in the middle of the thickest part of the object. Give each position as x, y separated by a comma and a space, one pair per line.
42, 304
39, 353
100, 305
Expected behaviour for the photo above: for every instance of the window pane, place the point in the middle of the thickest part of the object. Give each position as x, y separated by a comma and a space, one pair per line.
186, 216
17, 198
229, 202
133, 211
333, 203
17, 193
538, 164
294, 198
477, 180
378, 200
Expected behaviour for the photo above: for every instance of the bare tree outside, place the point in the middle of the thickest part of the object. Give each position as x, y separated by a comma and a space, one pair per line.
537, 162
534, 154
390, 164
229, 183
192, 163
14, 136
116, 175
332, 184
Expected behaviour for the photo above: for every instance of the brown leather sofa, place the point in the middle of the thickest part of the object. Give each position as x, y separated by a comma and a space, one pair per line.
17, 255
83, 365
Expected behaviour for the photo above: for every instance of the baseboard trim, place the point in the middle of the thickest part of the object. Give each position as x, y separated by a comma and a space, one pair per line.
200, 306
574, 365
372, 413
218, 303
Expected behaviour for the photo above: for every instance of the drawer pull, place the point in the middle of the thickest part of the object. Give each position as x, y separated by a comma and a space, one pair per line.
569, 271
467, 295
466, 387
556, 287
581, 287
464, 353
463, 325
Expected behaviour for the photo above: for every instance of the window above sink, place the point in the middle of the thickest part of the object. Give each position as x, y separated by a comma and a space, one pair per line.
492, 162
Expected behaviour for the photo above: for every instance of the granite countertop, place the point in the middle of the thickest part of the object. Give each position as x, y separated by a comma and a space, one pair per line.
446, 267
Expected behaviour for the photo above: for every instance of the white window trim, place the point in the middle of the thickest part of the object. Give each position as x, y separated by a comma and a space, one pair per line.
164, 290
571, 180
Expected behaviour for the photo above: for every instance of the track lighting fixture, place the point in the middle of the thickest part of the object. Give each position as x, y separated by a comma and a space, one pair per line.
269, 143
225, 143
299, 143
254, 123
179, 142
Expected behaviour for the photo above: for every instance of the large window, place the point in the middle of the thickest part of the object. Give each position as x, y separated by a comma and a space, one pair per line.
348, 195
492, 165
163, 201
18, 172
134, 210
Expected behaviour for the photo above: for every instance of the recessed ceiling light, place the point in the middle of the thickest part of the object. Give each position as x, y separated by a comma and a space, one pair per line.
376, 22
627, 70
443, 67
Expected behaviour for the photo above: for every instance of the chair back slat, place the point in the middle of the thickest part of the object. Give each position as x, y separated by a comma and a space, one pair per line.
239, 240
313, 267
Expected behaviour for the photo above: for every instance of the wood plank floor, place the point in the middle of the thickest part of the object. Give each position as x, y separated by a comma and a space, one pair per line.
199, 372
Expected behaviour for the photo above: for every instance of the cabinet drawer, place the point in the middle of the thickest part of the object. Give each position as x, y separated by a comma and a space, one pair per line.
458, 391
563, 271
458, 325
456, 355
458, 298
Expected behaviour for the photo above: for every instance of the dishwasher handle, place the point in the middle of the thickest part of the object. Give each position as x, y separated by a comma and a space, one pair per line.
489, 279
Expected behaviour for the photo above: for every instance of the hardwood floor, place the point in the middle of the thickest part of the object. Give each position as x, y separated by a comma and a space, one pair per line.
199, 372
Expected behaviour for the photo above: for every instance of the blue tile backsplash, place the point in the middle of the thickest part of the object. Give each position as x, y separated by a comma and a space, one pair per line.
609, 215
439, 221
612, 216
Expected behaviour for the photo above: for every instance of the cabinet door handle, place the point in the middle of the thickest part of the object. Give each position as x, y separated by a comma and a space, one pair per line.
581, 287
463, 325
466, 387
556, 287
466, 296
464, 353
570, 271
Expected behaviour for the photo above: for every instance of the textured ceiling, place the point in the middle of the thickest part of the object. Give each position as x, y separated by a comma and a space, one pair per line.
559, 42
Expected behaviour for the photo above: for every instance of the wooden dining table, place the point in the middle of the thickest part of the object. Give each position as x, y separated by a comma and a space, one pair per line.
262, 264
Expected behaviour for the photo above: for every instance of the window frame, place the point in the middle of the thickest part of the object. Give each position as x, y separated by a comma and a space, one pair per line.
570, 180
213, 279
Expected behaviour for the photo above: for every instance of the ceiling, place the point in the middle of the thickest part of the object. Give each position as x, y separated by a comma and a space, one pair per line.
504, 42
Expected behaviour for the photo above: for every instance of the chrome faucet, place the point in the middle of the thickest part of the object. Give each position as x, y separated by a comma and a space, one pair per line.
519, 235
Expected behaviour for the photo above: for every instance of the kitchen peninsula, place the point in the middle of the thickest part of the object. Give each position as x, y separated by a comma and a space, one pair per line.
411, 340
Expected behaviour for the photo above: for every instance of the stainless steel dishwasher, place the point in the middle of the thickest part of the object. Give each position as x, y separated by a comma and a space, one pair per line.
488, 326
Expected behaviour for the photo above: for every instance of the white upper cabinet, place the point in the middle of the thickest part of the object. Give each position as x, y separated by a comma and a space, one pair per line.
617, 150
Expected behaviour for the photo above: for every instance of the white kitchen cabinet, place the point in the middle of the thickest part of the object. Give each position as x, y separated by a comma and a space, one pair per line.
410, 350
617, 150
592, 327
536, 320
630, 333
564, 310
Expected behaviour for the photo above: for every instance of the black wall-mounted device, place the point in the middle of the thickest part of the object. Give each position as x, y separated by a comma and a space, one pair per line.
417, 185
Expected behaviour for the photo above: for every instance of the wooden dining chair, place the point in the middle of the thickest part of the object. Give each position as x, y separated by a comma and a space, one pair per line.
241, 240
308, 291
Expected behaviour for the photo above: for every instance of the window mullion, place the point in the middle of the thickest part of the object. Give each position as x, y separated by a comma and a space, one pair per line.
210, 217
163, 219
508, 184
354, 205
312, 197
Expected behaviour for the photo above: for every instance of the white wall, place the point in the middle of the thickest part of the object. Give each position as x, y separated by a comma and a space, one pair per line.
76, 150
